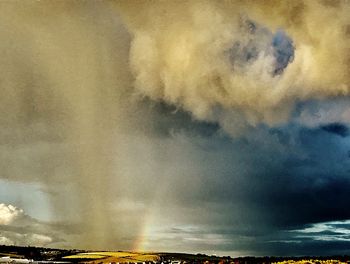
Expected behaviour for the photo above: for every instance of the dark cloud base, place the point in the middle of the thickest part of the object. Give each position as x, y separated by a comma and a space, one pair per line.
267, 184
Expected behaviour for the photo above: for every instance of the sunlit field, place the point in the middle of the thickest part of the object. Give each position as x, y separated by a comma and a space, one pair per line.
108, 257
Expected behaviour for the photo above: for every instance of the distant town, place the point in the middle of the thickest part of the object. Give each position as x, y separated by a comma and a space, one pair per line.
39, 255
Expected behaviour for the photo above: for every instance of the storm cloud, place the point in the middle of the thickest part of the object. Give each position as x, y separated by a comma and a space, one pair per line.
215, 127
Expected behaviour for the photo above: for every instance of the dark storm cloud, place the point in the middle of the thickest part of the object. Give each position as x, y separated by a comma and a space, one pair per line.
333, 113
337, 128
170, 119
256, 190
306, 248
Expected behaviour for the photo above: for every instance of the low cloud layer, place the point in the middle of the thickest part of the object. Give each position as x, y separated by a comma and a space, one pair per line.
18, 228
252, 193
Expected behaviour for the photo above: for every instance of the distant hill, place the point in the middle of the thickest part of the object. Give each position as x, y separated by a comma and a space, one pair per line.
107, 257
36, 253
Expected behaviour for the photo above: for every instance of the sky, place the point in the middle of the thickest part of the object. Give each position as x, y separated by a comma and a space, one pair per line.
218, 127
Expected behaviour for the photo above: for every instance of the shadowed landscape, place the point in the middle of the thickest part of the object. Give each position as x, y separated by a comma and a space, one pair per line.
51, 256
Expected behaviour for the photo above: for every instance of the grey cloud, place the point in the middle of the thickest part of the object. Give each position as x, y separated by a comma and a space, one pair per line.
336, 128
259, 188
314, 113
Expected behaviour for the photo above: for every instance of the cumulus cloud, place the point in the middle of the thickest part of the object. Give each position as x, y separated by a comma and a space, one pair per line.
210, 58
18, 228
9, 213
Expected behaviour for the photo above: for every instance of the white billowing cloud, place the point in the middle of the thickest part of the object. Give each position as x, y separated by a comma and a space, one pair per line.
9, 213
208, 55
5, 241
18, 228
